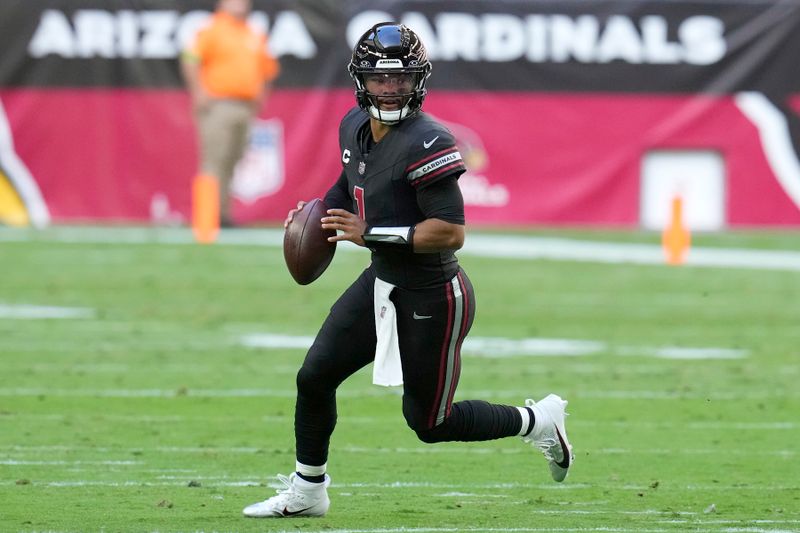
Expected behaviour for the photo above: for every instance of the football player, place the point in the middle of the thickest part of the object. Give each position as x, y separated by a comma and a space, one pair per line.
409, 311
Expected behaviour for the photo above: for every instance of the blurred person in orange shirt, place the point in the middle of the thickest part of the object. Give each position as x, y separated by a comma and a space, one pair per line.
228, 71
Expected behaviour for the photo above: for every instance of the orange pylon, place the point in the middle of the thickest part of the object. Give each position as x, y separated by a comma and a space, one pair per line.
676, 237
205, 209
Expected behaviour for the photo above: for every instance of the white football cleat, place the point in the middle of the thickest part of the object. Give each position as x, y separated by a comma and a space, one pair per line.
299, 498
549, 434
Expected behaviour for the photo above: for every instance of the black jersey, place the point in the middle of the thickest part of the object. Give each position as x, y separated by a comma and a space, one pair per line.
393, 183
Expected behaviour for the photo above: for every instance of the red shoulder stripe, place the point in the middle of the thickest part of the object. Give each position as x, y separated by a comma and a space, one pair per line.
443, 170
421, 162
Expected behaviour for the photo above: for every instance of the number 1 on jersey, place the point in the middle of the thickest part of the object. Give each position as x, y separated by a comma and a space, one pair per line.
358, 194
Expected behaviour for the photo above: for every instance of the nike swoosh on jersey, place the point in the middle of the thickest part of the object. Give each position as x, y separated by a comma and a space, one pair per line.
421, 317
427, 144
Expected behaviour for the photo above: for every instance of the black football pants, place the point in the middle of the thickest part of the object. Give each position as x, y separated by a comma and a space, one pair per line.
431, 324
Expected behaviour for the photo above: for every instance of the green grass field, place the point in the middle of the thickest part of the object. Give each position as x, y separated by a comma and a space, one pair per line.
145, 412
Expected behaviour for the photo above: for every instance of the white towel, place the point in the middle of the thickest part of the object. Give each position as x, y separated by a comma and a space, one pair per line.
386, 370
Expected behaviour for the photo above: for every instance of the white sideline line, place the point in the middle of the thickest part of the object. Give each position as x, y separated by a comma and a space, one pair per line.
39, 312
426, 450
256, 483
731, 521
98, 368
496, 347
433, 530
571, 366
501, 347
62, 345
479, 347
502, 530
487, 529
469, 450
15, 462
756, 530
477, 244
402, 485
607, 252
372, 391
85, 483
170, 419
378, 392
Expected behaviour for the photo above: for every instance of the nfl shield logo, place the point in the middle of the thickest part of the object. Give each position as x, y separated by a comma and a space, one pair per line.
362, 166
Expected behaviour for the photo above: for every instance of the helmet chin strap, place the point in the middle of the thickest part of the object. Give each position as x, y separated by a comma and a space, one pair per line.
389, 117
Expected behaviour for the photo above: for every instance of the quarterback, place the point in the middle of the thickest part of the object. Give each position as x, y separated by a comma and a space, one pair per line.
409, 311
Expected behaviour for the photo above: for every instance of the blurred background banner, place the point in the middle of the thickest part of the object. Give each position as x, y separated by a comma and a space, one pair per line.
590, 113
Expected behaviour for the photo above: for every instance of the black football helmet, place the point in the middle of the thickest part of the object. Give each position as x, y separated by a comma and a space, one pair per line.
389, 48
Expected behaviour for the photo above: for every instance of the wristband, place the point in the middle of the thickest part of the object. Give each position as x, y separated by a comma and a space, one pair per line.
389, 238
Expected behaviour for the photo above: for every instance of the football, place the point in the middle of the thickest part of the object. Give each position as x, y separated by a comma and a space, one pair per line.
306, 248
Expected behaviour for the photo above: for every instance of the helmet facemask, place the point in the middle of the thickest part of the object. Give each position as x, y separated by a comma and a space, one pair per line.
397, 96
389, 68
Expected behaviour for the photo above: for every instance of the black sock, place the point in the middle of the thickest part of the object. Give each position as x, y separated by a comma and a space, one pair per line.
530, 424
311, 479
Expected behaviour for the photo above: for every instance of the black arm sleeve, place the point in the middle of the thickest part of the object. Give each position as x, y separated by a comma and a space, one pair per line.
338, 197
442, 200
